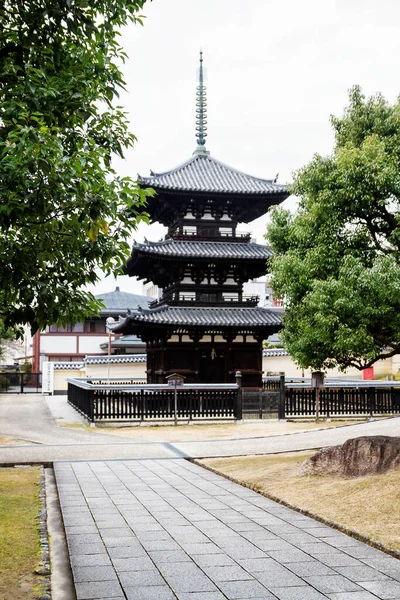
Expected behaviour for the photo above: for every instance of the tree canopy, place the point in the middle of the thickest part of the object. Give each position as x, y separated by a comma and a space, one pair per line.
336, 259
64, 211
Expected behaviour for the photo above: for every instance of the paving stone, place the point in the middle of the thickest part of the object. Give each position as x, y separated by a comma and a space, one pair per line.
151, 545
278, 576
244, 590
201, 596
141, 578
90, 560
364, 573
241, 552
100, 589
227, 573
309, 568
321, 531
157, 592
362, 551
352, 596
135, 551
79, 540
339, 560
213, 560
383, 589
185, 577
169, 556
91, 573
207, 548
289, 556
82, 548
80, 530
182, 583
297, 593
141, 563
332, 583
385, 564
115, 541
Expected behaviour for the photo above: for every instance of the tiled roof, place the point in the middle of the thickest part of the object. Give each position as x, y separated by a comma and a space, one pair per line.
202, 173
275, 352
208, 317
188, 249
68, 366
118, 301
115, 359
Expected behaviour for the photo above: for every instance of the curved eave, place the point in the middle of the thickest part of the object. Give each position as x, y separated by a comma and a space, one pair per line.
201, 318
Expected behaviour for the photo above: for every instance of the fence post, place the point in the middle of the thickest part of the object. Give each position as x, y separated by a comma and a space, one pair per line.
239, 402
371, 401
281, 405
317, 382
90, 396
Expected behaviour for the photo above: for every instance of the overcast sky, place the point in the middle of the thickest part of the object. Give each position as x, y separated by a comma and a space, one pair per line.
275, 71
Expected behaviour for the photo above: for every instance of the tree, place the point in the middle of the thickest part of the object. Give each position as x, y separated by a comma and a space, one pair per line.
6, 335
64, 212
336, 260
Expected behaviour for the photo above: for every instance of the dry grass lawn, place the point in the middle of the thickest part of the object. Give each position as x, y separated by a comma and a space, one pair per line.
5, 440
368, 505
228, 431
19, 533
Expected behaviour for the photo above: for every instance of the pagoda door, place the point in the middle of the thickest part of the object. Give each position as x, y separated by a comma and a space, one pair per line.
213, 366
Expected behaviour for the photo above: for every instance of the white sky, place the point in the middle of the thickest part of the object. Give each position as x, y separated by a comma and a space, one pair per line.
275, 71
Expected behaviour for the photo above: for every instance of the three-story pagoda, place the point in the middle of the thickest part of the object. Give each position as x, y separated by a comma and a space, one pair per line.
203, 327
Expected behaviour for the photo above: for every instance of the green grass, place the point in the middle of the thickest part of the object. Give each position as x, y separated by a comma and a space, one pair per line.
19, 532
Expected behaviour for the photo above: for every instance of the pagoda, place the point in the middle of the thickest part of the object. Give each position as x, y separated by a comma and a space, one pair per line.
203, 327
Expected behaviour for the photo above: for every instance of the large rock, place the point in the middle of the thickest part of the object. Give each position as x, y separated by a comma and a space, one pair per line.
356, 457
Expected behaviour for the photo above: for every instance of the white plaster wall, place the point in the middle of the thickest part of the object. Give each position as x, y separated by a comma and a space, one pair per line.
90, 344
117, 370
278, 364
58, 344
61, 376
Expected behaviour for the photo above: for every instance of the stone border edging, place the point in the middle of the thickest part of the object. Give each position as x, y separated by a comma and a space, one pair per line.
44, 570
307, 513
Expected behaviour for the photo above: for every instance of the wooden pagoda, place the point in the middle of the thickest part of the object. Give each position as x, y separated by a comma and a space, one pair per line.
203, 327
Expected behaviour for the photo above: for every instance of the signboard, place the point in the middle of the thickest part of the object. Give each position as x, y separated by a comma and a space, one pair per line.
175, 379
47, 377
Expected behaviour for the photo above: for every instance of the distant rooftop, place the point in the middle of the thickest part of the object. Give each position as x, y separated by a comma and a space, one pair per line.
118, 301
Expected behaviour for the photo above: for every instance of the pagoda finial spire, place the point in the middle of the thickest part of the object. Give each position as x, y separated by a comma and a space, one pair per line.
201, 112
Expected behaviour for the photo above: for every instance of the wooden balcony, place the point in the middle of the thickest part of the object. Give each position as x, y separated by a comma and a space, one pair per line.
240, 236
246, 301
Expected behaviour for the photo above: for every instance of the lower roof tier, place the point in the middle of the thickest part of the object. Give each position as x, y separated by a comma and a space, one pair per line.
162, 262
202, 318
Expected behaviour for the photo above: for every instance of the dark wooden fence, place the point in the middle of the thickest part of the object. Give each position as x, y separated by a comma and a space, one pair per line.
267, 402
19, 383
363, 401
138, 402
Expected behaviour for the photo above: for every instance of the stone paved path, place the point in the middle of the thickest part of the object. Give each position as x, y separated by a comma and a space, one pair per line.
168, 529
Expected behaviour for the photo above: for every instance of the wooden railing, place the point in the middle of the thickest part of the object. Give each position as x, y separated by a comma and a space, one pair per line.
362, 401
100, 401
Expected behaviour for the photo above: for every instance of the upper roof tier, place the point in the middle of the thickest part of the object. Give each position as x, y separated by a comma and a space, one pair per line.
203, 173
202, 250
